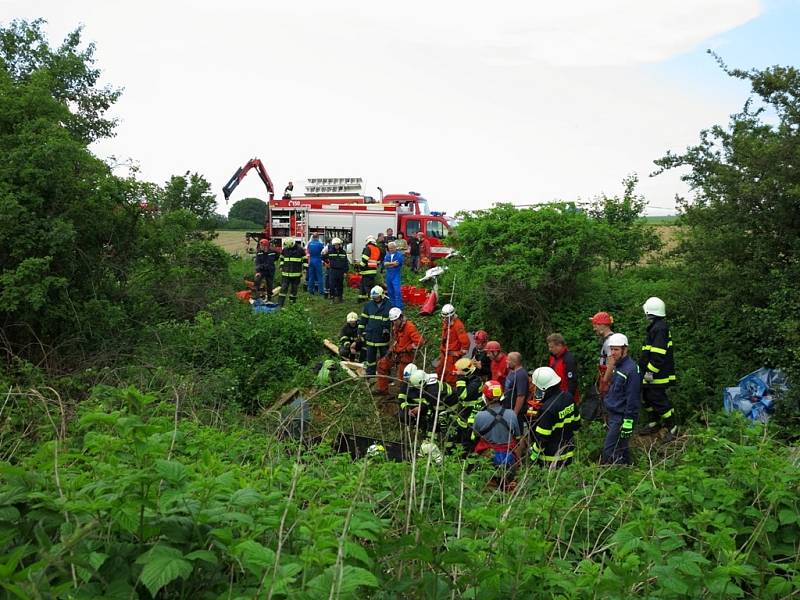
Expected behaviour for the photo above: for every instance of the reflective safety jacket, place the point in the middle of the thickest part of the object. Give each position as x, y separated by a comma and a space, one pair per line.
370, 259
349, 334
558, 421
425, 398
622, 397
337, 259
469, 398
292, 261
657, 354
457, 343
374, 324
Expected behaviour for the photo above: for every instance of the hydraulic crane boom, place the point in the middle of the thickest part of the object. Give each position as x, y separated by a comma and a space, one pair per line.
253, 163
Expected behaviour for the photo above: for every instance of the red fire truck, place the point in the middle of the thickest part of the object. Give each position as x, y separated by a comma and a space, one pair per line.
336, 207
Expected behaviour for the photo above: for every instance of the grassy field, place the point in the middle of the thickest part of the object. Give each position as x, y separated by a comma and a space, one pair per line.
232, 241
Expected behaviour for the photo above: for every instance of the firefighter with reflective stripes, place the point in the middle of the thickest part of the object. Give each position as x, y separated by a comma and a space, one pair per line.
338, 265
558, 420
468, 401
374, 328
658, 368
425, 394
350, 344
621, 401
402, 396
370, 259
293, 259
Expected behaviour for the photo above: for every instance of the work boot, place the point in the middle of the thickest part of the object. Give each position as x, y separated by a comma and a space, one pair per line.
651, 428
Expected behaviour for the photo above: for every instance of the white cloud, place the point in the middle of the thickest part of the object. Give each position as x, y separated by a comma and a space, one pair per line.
467, 102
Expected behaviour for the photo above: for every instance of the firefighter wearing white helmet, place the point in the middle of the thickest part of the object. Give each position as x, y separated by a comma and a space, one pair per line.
374, 328
454, 344
657, 365
425, 393
338, 265
350, 344
293, 259
621, 401
556, 423
370, 259
406, 339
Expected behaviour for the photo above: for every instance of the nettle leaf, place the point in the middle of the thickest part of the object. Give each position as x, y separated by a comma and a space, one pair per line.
255, 557
205, 555
96, 559
245, 497
162, 566
787, 516
171, 470
352, 578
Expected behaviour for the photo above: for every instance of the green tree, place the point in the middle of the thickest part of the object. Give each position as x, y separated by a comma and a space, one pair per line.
190, 192
519, 264
628, 236
742, 246
253, 210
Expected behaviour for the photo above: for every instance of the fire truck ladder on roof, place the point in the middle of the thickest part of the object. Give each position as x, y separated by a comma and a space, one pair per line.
335, 186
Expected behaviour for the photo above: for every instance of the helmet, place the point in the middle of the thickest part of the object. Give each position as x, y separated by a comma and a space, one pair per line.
335, 241
409, 370
288, 242
417, 378
655, 306
376, 451
431, 378
602, 318
428, 448
394, 313
351, 316
263, 242
377, 291
493, 347
617, 339
448, 310
492, 390
464, 366
371, 239
544, 378
481, 336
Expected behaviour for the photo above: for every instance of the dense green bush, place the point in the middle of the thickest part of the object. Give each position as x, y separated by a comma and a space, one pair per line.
142, 505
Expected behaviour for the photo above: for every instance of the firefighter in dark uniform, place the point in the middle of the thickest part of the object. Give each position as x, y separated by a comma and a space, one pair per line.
293, 258
338, 265
266, 259
468, 399
425, 392
374, 328
350, 344
658, 368
556, 423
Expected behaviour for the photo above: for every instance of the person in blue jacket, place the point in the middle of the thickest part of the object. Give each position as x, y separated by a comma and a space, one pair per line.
393, 262
315, 282
622, 402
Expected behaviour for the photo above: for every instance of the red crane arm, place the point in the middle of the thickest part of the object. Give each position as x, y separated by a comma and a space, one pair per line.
253, 163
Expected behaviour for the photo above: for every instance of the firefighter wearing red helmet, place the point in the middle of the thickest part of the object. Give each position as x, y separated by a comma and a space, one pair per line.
478, 354
498, 430
498, 365
592, 408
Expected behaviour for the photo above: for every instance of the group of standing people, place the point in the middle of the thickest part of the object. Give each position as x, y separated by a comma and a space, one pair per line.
491, 403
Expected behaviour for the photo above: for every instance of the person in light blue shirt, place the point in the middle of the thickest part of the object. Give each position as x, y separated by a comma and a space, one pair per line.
393, 262
316, 283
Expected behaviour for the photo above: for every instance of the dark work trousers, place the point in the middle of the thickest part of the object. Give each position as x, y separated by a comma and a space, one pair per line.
269, 277
615, 449
655, 402
289, 285
367, 283
336, 280
375, 353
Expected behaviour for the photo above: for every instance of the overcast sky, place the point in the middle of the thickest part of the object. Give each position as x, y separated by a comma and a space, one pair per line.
467, 102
